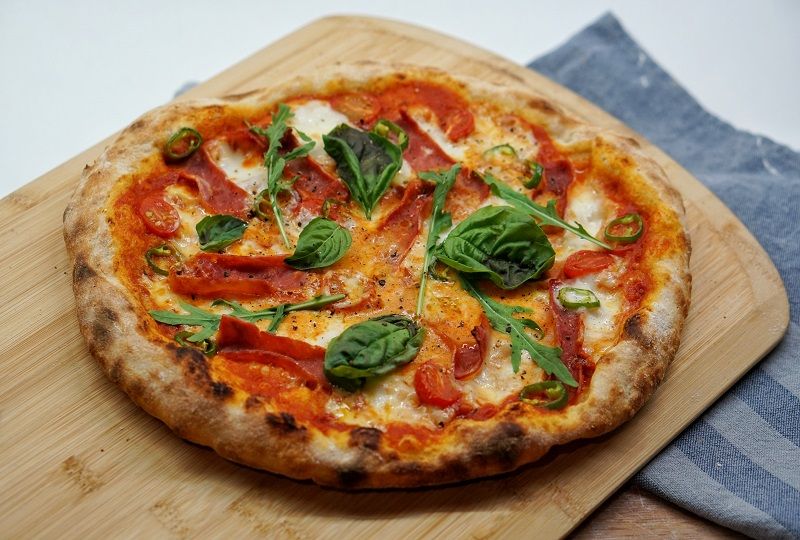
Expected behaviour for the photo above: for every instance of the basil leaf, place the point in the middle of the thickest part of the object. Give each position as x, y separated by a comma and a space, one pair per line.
500, 243
371, 348
501, 317
366, 162
440, 221
547, 215
321, 243
218, 232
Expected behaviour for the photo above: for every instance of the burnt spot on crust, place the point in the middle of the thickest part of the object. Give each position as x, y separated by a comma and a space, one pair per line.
634, 329
82, 271
195, 366
221, 390
109, 315
253, 402
503, 447
137, 125
352, 476
542, 105
284, 422
364, 437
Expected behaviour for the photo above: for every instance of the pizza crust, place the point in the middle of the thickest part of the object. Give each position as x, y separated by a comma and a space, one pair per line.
174, 384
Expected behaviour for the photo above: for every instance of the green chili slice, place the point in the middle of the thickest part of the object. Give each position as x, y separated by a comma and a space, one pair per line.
571, 297
208, 347
626, 229
547, 394
328, 203
536, 175
504, 149
164, 250
183, 143
385, 127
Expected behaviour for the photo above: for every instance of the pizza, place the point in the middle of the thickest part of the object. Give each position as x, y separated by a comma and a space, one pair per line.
379, 275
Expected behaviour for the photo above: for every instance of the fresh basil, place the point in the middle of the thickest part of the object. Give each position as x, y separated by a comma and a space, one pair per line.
500, 243
275, 164
321, 243
501, 317
440, 221
547, 215
366, 163
219, 231
371, 348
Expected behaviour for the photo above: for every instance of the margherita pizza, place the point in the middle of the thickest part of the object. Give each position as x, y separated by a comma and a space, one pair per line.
380, 276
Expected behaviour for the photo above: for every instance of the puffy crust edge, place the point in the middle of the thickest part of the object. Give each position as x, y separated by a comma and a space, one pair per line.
174, 385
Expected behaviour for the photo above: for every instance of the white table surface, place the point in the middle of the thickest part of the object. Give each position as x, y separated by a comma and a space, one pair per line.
76, 71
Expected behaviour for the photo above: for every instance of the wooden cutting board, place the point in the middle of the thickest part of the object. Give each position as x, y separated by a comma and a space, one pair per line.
77, 458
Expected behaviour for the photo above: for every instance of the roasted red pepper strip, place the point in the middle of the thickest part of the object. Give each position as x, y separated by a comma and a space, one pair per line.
241, 341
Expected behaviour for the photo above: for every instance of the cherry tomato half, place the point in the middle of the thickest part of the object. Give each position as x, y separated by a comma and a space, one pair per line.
434, 385
159, 216
586, 262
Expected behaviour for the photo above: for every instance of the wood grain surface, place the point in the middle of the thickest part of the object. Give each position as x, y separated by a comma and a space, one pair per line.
78, 459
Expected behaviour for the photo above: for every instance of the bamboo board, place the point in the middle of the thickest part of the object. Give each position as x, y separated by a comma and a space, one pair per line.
78, 459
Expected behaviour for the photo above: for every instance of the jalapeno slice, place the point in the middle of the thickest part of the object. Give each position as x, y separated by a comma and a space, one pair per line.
547, 394
164, 250
572, 297
536, 175
182, 144
626, 229
208, 347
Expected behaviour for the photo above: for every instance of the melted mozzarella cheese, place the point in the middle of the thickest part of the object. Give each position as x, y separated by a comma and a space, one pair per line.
315, 119
250, 178
586, 206
456, 151
599, 323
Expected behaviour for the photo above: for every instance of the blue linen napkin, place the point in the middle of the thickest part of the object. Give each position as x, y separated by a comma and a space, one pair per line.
739, 464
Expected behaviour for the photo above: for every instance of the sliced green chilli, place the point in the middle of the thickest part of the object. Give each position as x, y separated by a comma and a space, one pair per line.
536, 175
547, 394
164, 250
573, 298
183, 143
503, 149
626, 229
385, 127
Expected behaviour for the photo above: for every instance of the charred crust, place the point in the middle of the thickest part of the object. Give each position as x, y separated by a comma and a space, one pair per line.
634, 329
101, 333
504, 446
139, 124
350, 477
284, 422
195, 365
253, 402
82, 271
109, 314
364, 437
221, 390
541, 105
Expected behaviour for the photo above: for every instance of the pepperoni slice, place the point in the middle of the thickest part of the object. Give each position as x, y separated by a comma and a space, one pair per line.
159, 216
403, 224
241, 341
584, 262
468, 358
451, 110
434, 385
220, 275
217, 194
423, 154
358, 107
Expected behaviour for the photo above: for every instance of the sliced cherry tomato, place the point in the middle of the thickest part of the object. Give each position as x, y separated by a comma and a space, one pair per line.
586, 262
160, 216
434, 385
357, 106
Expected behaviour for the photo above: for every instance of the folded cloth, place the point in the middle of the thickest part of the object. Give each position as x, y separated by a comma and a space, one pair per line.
739, 464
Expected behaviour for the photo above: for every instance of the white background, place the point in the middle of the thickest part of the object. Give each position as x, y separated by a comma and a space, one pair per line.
75, 72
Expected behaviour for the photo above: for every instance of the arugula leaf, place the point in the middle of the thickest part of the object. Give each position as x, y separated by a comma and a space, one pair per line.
371, 348
547, 215
440, 221
366, 162
275, 163
498, 242
501, 317
219, 231
321, 243
209, 322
